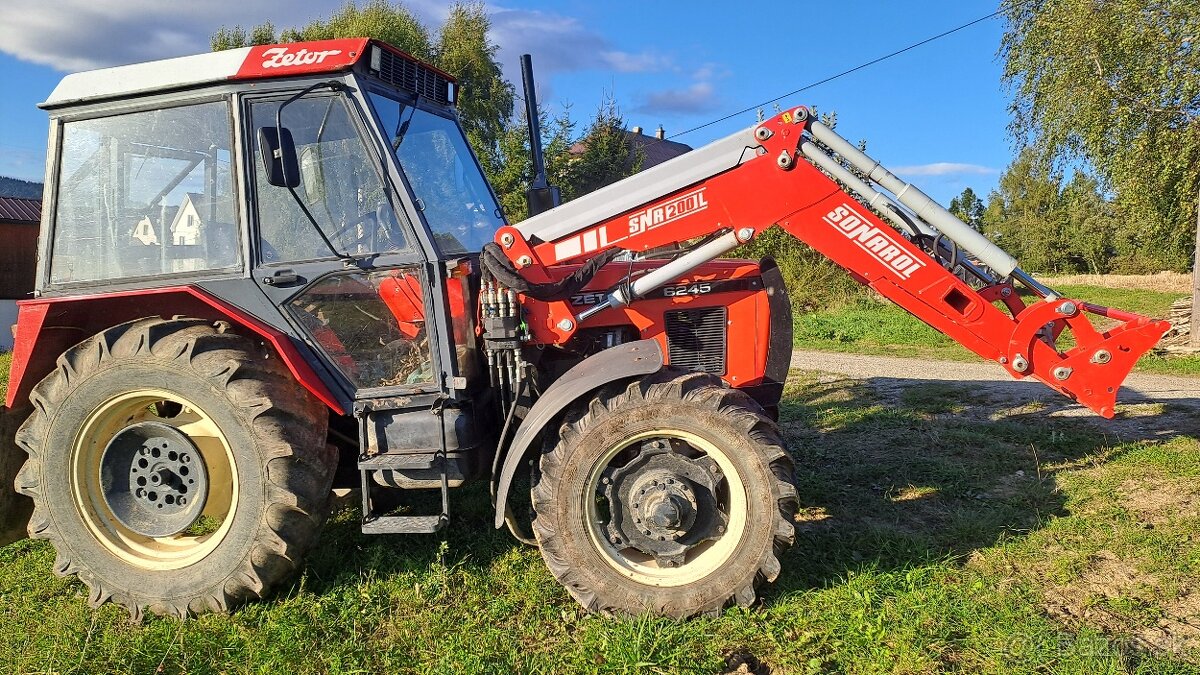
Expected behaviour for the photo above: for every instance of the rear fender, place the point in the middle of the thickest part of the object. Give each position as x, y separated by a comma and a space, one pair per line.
632, 359
47, 327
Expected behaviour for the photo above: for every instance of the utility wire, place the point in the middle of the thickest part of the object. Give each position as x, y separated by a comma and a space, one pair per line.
998, 12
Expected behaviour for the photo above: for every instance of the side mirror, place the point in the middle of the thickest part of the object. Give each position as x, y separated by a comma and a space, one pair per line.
279, 156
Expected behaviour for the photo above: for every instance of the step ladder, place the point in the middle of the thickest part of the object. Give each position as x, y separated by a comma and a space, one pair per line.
373, 523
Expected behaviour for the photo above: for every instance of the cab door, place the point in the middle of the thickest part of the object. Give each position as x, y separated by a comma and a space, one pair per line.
336, 255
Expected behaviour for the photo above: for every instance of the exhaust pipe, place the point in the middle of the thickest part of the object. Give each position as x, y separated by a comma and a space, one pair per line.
541, 196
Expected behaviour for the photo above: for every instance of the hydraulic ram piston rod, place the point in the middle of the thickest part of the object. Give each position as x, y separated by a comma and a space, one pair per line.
928, 210
880, 202
671, 271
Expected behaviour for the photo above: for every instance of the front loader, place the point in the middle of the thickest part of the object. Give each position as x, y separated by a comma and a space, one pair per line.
271, 271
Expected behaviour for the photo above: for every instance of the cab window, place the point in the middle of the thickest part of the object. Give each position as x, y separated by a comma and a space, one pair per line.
340, 186
145, 194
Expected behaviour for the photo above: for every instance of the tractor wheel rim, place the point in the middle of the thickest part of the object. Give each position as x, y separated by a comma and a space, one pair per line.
153, 541
701, 560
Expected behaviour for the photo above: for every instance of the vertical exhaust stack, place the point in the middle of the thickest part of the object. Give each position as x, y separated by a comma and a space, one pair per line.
541, 196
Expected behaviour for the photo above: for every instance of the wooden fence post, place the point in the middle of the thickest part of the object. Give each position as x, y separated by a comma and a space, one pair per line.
1195, 323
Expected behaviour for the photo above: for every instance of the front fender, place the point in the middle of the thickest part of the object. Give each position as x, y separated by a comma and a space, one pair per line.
632, 359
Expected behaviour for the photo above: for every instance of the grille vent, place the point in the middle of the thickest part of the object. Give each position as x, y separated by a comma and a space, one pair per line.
411, 76
696, 339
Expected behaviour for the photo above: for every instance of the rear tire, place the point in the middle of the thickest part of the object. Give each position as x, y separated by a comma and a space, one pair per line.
15, 508
230, 449
673, 495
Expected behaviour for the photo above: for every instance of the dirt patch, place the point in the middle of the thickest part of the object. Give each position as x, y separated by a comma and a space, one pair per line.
1159, 501
1088, 599
1166, 282
1178, 631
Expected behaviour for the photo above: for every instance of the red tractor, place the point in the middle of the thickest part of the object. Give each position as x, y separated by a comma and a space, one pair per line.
264, 265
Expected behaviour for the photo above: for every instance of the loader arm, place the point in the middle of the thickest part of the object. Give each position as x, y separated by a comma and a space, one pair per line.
794, 172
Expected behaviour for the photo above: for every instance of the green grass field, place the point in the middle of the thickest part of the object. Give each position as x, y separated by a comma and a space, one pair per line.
931, 539
870, 327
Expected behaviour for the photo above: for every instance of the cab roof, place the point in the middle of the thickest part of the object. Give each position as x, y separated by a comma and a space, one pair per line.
251, 63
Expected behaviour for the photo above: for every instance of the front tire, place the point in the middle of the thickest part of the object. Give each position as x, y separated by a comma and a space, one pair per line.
673, 495
14, 507
175, 466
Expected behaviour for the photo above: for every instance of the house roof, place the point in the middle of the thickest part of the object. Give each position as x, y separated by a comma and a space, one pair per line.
15, 209
654, 150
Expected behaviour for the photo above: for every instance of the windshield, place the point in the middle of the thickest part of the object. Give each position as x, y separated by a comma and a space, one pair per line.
435, 158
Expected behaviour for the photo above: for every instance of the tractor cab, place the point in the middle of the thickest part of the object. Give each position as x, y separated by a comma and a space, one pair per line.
326, 188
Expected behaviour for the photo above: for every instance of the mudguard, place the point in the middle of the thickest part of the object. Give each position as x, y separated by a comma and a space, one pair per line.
632, 359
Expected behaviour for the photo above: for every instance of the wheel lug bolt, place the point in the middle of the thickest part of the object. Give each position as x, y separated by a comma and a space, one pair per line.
615, 540
606, 480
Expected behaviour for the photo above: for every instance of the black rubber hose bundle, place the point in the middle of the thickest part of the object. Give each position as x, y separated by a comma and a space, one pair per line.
496, 264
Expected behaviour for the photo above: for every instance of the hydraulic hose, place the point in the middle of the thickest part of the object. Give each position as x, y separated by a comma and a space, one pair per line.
496, 264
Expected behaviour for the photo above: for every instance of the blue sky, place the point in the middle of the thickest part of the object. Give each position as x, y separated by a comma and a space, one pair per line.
937, 115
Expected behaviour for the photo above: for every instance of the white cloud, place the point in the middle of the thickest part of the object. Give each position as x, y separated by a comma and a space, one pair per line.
559, 44
944, 169
73, 35
700, 97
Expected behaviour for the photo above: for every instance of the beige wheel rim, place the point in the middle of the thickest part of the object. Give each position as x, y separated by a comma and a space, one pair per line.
705, 558
153, 553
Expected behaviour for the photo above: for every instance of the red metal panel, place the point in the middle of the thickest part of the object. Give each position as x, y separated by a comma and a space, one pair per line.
301, 58
48, 327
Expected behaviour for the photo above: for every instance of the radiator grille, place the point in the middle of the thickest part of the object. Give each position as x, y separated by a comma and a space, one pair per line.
696, 339
412, 76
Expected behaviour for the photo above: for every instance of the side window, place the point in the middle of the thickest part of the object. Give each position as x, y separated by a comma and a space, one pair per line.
372, 326
340, 185
144, 194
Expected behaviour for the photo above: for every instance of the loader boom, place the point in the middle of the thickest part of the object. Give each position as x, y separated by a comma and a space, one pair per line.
796, 173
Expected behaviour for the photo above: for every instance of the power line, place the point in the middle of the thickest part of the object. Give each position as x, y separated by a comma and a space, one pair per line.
998, 12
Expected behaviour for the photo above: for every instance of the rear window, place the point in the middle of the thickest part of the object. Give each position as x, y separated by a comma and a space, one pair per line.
145, 194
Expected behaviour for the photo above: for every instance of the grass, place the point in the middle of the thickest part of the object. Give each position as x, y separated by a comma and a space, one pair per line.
932, 538
871, 327
5, 362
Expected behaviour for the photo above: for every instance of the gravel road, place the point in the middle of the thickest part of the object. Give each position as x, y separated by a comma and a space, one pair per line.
1148, 405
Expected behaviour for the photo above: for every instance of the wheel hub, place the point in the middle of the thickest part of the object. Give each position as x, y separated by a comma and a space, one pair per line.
663, 503
154, 479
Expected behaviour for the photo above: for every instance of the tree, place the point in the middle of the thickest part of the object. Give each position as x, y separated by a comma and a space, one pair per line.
463, 49
1115, 84
1091, 225
1024, 215
968, 207
603, 156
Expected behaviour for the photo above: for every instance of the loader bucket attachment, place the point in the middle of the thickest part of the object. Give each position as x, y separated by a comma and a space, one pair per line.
1092, 369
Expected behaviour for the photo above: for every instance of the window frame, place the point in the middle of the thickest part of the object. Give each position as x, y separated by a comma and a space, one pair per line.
411, 254
374, 87
54, 177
